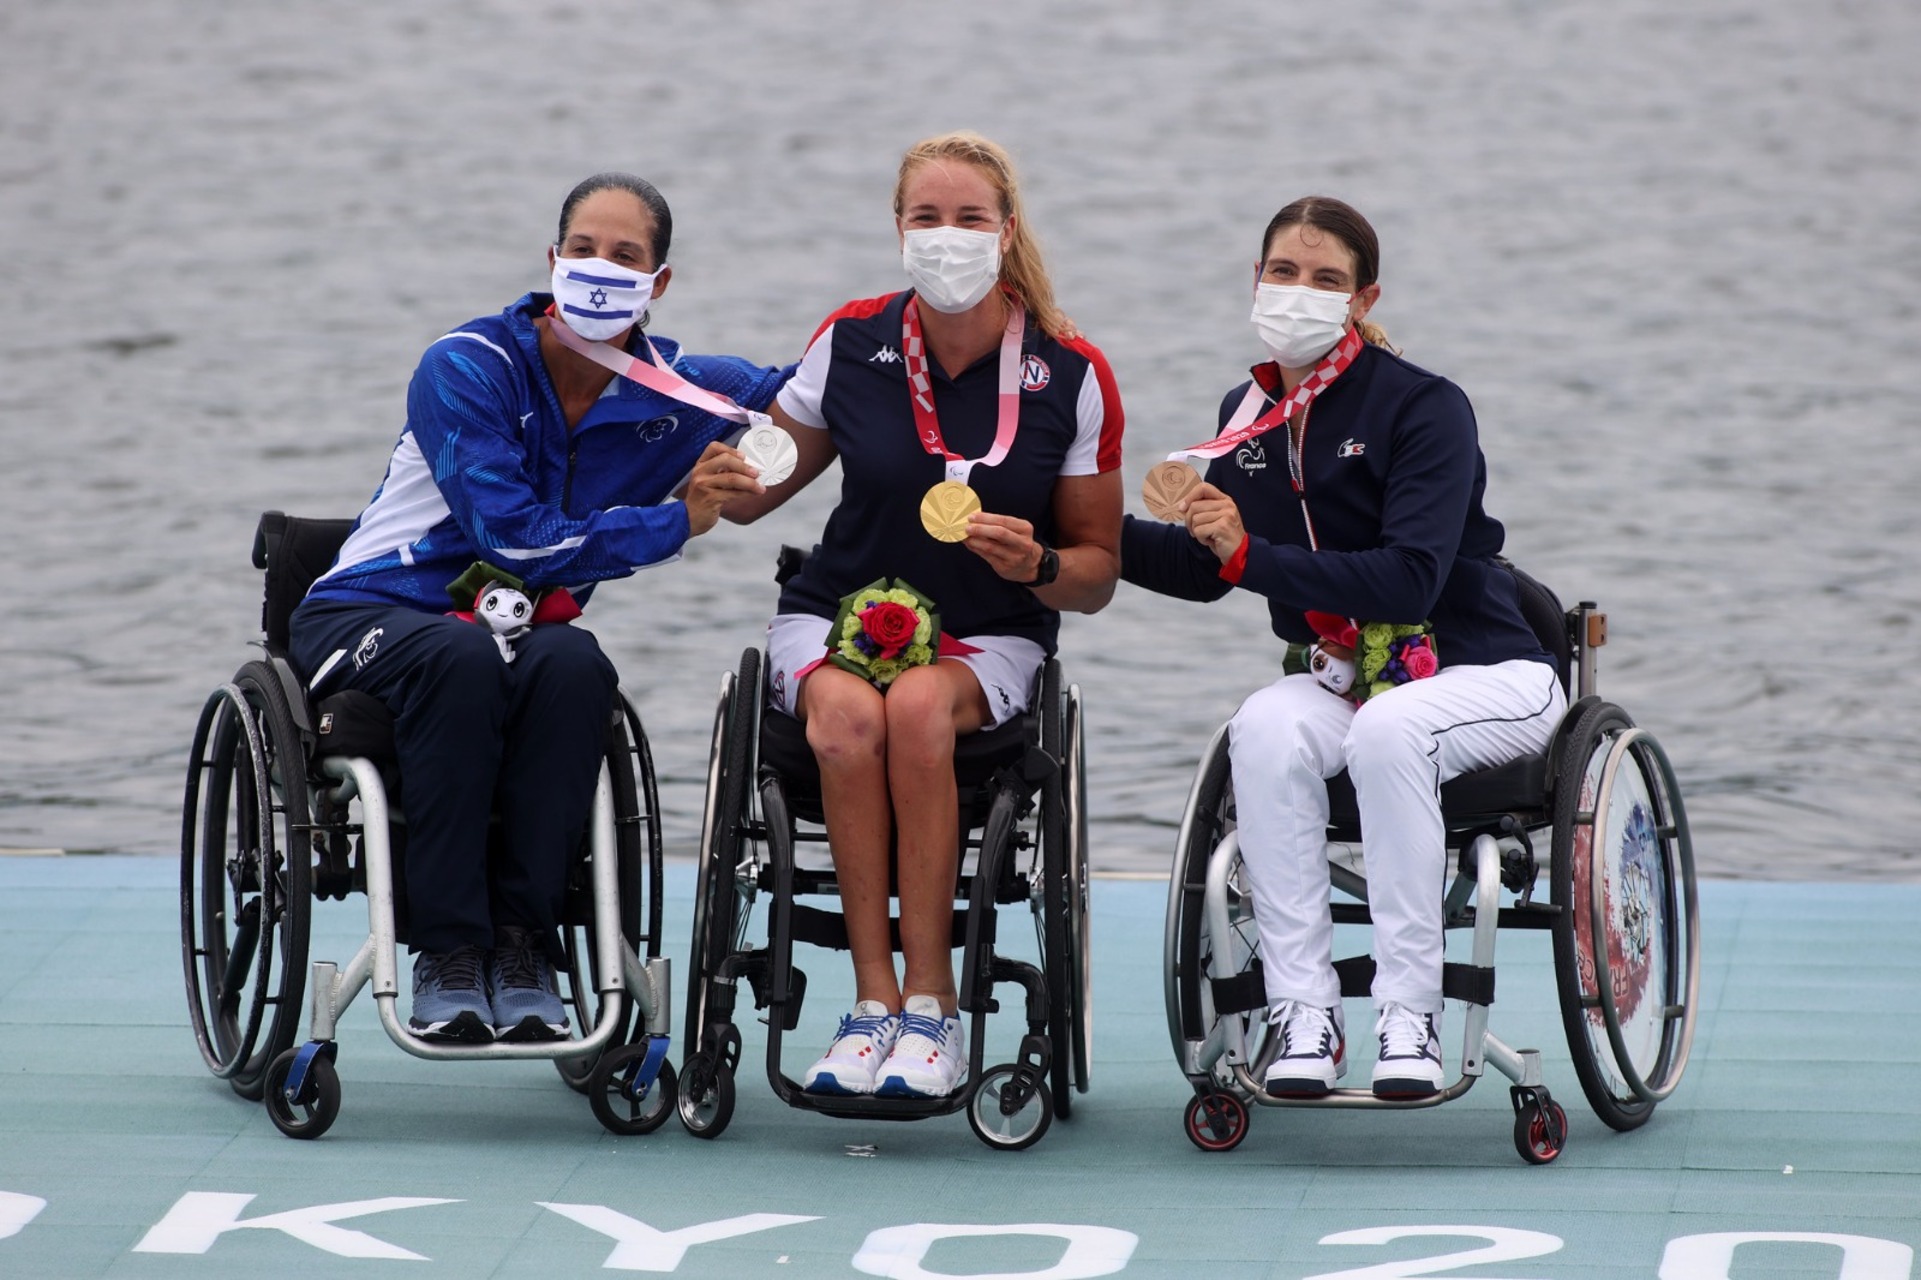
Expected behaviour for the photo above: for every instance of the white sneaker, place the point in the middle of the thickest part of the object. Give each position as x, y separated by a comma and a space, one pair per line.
1313, 1050
930, 1057
1410, 1061
860, 1046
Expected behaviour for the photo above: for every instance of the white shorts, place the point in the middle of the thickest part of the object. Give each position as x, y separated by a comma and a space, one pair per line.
1005, 665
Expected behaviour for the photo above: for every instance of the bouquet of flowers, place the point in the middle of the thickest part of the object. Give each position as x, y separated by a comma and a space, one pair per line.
1360, 660
882, 630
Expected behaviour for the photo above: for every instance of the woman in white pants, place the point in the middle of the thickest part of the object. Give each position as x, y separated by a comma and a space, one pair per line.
1347, 483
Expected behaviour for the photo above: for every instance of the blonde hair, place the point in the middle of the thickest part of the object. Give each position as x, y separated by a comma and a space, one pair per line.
1022, 272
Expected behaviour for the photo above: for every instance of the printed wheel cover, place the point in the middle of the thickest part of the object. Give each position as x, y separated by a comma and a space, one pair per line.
1636, 902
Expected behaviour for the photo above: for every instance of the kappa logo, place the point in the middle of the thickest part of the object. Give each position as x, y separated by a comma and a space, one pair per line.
886, 355
1351, 448
1251, 456
780, 686
369, 646
657, 428
1035, 374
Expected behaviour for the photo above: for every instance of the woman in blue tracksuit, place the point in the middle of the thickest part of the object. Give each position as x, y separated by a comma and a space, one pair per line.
523, 455
1363, 501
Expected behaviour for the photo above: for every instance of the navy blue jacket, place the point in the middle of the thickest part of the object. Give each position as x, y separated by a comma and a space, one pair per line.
1393, 477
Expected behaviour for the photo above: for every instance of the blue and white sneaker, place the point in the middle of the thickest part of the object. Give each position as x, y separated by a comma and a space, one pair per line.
450, 997
1313, 1050
850, 1064
1410, 1061
930, 1058
526, 998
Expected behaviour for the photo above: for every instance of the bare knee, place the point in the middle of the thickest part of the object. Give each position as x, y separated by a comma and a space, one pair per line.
920, 721
846, 723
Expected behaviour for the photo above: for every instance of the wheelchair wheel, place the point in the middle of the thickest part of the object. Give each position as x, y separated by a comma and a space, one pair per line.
722, 899
318, 1106
611, 1094
1064, 867
1009, 1112
637, 845
1626, 944
1198, 931
245, 878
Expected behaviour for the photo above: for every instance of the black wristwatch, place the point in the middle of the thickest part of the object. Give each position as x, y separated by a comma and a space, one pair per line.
1050, 567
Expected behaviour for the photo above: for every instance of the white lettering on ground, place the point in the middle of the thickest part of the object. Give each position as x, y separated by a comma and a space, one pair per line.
896, 1252
199, 1218
1710, 1256
16, 1211
644, 1248
1505, 1244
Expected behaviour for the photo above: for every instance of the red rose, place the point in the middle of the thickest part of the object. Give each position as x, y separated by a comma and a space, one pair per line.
889, 625
1419, 659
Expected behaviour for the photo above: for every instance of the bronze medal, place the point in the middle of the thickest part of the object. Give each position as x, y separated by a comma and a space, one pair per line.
944, 511
1166, 484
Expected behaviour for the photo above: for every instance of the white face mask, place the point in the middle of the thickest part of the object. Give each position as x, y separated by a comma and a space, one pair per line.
951, 269
599, 300
1299, 324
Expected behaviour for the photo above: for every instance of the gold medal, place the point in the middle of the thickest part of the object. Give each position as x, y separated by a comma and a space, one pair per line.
1166, 484
944, 511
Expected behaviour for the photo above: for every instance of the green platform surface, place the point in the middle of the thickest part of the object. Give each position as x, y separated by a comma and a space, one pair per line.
1793, 1147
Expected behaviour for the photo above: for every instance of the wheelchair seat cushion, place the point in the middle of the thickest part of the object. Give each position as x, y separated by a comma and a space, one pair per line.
1468, 801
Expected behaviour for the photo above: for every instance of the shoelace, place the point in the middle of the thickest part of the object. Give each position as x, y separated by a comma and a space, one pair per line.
861, 1024
1302, 1025
932, 1030
519, 968
1403, 1033
459, 969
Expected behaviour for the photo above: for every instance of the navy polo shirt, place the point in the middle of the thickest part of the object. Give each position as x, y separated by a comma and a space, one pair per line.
853, 384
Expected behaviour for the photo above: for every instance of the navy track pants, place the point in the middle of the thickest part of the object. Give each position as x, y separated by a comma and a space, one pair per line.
475, 735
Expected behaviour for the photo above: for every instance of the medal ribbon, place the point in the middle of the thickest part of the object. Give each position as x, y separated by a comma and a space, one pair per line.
1244, 425
920, 386
655, 377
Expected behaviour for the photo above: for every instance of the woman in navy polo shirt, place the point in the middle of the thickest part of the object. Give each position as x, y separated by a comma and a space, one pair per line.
1370, 513
975, 378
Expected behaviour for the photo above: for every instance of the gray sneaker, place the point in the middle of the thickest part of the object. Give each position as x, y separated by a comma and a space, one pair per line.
526, 998
450, 997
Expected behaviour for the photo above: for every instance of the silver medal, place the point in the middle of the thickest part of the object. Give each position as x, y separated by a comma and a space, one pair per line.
769, 450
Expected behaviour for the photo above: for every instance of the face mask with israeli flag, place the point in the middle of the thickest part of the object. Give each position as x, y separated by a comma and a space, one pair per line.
598, 300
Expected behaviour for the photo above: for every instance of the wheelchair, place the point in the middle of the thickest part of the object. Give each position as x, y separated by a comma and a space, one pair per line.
1022, 792
287, 803
1621, 907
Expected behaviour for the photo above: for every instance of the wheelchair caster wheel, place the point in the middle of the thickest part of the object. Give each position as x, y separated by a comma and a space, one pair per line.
313, 1110
620, 1102
1011, 1108
1540, 1126
1216, 1121
707, 1101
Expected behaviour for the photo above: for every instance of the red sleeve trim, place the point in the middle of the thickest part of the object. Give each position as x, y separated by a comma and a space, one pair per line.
1236, 564
1114, 418
859, 309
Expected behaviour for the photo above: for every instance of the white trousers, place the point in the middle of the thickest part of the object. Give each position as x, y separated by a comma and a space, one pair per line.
1398, 747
